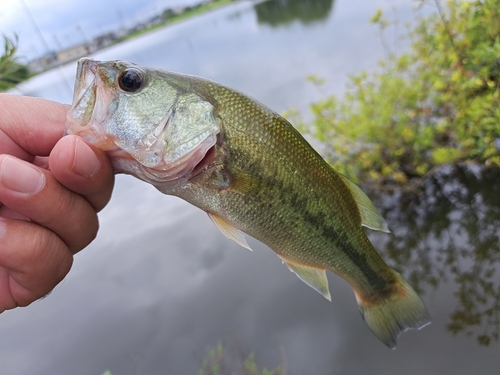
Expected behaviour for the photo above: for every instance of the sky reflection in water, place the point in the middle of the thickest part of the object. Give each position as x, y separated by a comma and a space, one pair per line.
160, 283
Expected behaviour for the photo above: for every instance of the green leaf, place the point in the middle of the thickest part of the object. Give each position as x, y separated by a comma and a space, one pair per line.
435, 103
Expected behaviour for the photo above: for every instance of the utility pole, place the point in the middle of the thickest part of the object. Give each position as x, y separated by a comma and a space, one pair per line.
79, 28
58, 43
32, 20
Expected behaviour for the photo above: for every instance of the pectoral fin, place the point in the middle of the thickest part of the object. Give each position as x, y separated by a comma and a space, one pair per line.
314, 277
229, 230
370, 217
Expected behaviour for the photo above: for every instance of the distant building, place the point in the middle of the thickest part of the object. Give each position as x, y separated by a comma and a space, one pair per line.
179, 10
102, 41
155, 20
121, 33
40, 64
72, 53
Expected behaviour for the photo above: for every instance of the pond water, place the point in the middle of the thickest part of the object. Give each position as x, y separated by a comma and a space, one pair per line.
160, 284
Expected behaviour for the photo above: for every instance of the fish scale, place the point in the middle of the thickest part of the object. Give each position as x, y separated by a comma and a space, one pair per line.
251, 171
303, 208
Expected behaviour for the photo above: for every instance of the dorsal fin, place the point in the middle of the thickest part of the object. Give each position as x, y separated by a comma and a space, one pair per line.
312, 276
370, 217
229, 230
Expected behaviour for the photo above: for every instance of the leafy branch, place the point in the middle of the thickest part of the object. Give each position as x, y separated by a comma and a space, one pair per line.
11, 71
437, 103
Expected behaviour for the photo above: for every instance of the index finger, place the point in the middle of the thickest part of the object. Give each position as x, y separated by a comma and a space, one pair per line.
29, 126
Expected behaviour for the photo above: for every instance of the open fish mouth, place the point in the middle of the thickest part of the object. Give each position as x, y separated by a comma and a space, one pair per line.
84, 96
91, 103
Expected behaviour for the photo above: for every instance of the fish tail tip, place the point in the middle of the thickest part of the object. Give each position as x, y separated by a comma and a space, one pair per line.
392, 315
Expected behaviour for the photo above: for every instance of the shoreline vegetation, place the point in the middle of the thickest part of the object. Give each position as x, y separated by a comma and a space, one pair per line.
438, 103
11, 71
170, 18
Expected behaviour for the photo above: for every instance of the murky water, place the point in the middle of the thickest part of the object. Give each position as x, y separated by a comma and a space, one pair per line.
160, 283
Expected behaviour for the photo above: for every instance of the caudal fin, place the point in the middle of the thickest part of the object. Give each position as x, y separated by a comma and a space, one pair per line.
394, 314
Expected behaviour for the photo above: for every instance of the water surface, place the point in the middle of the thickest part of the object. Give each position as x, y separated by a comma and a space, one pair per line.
160, 284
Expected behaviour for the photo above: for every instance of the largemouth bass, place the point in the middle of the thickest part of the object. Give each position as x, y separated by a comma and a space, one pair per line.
251, 171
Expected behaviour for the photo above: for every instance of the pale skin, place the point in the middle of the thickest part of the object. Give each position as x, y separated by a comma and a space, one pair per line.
51, 189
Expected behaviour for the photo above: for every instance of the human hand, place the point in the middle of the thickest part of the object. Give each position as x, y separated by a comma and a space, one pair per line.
51, 189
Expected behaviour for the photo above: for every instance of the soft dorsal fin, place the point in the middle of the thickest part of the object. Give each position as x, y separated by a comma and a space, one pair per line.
229, 230
370, 217
312, 276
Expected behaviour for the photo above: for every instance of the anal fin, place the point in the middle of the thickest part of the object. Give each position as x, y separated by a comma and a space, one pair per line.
312, 276
229, 230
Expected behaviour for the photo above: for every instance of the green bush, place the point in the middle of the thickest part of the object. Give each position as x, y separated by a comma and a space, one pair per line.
11, 72
437, 103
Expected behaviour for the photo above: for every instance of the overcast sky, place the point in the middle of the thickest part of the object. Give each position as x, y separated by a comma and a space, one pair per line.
63, 22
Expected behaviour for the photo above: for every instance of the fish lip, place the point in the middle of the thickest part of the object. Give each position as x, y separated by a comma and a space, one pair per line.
85, 81
89, 106
84, 66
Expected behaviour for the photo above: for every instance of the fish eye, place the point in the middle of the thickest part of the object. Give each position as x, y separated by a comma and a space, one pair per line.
130, 80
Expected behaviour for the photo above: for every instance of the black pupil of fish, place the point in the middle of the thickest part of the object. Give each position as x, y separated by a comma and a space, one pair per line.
130, 80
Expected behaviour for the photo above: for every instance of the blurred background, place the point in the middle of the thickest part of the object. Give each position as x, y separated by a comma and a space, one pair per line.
162, 291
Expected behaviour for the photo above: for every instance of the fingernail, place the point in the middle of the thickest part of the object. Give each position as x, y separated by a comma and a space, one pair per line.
85, 163
20, 176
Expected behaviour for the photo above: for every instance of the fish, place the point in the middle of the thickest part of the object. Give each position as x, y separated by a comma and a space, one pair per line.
251, 171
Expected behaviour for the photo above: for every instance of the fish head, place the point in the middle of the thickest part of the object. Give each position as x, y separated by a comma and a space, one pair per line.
149, 121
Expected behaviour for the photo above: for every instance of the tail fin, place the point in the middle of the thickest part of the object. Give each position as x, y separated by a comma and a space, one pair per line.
394, 314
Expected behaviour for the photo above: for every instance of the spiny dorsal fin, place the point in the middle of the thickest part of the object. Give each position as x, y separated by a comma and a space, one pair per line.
370, 217
314, 277
229, 230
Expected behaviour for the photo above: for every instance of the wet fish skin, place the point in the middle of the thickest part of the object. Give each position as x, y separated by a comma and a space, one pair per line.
252, 172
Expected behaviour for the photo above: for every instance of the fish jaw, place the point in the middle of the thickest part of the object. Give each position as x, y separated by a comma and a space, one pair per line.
158, 134
89, 108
